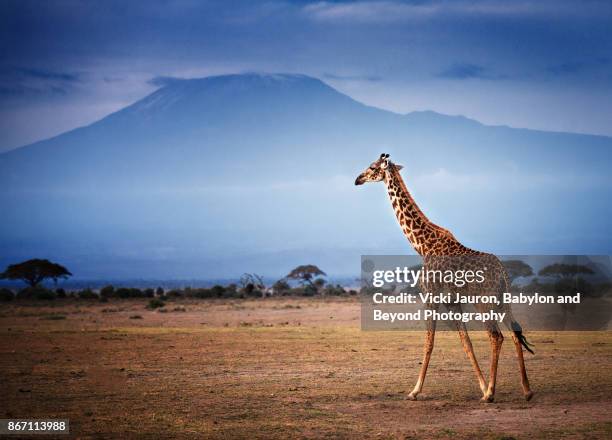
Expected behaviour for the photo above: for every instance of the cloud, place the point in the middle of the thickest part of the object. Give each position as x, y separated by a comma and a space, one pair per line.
20, 82
461, 71
163, 81
393, 10
572, 67
48, 75
369, 78
511, 178
367, 11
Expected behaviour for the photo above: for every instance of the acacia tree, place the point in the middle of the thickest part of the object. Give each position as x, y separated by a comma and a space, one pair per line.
35, 271
281, 287
251, 282
565, 271
517, 269
305, 274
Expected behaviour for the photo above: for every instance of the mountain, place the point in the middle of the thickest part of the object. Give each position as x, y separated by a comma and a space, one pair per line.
216, 176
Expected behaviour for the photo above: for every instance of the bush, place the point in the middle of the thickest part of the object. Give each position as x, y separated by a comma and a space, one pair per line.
125, 292
6, 295
218, 291
199, 293
44, 294
332, 290
159, 291
170, 294
107, 291
60, 293
306, 290
88, 294
310, 290
156, 303
39, 293
281, 287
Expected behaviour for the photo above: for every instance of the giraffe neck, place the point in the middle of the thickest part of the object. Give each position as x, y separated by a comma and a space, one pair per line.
416, 226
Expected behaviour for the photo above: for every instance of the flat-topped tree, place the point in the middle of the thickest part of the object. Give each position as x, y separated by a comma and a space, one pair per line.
565, 271
517, 269
305, 274
568, 277
35, 271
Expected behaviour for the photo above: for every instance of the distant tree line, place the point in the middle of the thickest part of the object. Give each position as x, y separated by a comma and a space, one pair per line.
305, 280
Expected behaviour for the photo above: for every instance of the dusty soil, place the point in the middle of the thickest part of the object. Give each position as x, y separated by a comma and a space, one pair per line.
283, 368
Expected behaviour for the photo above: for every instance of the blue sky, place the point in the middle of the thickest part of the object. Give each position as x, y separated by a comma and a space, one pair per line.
544, 65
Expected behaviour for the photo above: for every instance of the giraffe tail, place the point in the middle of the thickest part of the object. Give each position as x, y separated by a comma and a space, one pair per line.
513, 325
518, 332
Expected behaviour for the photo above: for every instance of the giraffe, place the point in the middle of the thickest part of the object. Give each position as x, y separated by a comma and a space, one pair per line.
439, 248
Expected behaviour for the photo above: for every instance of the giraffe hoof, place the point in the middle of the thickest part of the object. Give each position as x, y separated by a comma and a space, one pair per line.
528, 396
411, 396
487, 398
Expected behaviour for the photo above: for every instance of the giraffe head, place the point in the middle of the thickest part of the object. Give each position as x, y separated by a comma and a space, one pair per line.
376, 171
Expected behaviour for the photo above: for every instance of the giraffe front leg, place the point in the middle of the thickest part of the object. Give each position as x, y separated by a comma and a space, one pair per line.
496, 338
427, 349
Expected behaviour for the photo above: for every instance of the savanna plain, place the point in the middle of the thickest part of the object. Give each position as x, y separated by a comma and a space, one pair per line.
284, 368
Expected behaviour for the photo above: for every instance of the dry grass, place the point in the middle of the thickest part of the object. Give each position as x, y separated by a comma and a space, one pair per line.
284, 368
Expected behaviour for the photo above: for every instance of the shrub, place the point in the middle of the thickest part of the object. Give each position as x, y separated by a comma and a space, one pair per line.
281, 287
156, 303
60, 293
107, 291
170, 294
6, 295
310, 290
36, 293
125, 292
159, 291
199, 293
88, 294
255, 293
332, 290
218, 291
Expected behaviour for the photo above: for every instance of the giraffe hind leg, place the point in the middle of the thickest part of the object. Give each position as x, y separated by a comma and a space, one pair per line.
469, 351
521, 361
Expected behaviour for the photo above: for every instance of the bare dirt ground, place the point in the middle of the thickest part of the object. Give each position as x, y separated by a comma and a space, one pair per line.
283, 368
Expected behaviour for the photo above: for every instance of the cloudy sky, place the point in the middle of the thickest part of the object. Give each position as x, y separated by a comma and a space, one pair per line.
543, 65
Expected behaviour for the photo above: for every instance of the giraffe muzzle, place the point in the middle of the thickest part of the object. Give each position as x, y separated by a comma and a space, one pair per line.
359, 180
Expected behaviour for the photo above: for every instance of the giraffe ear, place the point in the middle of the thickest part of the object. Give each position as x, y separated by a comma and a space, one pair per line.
398, 167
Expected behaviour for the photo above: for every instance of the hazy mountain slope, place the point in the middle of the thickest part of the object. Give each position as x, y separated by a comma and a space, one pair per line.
215, 176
